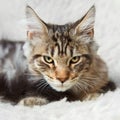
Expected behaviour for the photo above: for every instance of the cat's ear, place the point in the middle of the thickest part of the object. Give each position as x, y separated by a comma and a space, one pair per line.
36, 27
86, 24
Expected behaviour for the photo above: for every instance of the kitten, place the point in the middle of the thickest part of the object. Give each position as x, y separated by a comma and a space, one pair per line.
62, 62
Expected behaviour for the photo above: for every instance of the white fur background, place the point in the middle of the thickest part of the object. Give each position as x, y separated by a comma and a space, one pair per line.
107, 34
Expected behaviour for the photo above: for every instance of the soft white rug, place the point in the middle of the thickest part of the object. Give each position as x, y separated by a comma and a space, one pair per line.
107, 34
106, 107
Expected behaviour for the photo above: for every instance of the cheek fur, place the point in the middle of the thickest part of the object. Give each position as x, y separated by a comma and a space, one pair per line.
82, 66
38, 67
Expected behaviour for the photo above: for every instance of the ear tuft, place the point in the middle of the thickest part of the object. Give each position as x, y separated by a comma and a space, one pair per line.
36, 27
32, 18
86, 24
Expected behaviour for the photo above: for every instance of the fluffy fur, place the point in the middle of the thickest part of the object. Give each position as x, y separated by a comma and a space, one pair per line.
63, 61
61, 43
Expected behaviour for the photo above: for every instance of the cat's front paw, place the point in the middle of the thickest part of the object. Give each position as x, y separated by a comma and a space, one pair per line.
31, 101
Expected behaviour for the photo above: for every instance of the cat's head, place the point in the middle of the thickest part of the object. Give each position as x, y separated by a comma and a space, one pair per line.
61, 53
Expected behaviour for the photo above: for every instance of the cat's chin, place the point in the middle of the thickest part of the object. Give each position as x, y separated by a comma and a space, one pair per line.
58, 86
61, 88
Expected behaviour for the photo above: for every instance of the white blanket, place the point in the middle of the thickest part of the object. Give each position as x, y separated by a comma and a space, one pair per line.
107, 34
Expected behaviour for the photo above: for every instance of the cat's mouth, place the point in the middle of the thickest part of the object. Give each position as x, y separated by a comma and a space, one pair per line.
59, 86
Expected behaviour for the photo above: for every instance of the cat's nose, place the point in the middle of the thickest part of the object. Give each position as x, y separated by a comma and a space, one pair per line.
62, 79
62, 74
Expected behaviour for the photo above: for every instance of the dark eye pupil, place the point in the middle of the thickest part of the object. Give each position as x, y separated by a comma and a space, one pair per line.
75, 58
48, 59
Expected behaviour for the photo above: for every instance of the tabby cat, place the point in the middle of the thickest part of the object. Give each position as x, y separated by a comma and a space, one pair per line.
58, 61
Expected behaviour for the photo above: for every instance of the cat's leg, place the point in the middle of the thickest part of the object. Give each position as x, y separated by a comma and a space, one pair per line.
110, 86
31, 101
91, 96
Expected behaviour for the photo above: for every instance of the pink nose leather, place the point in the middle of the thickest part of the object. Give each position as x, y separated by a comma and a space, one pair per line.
62, 79
62, 75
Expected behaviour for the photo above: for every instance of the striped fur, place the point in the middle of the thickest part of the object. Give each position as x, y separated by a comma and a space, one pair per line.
56, 61
61, 43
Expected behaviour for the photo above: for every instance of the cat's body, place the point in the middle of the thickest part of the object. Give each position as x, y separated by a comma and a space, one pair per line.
62, 62
16, 82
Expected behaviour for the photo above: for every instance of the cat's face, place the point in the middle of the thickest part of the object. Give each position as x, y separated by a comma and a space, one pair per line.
61, 53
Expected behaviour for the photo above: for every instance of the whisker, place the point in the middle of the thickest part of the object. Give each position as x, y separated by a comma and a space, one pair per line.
46, 85
78, 86
85, 86
82, 87
91, 78
36, 81
85, 82
91, 81
41, 82
41, 85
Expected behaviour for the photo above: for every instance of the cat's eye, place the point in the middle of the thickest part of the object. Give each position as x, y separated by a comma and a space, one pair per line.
75, 59
48, 59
